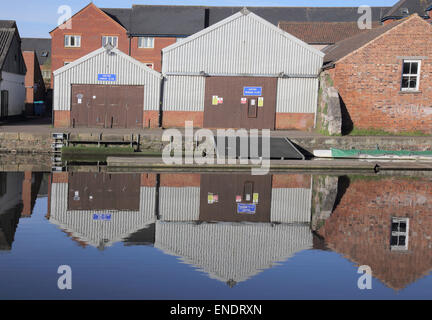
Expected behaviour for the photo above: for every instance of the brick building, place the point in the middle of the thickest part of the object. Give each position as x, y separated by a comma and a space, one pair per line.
34, 82
142, 31
383, 77
384, 223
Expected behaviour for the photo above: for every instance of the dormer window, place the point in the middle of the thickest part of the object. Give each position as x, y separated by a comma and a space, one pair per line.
404, 11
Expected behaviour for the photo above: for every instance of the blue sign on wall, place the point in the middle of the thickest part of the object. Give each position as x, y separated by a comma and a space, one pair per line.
103, 216
107, 77
252, 91
246, 208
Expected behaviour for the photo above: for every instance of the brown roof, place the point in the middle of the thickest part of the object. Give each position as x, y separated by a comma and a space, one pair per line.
346, 46
322, 32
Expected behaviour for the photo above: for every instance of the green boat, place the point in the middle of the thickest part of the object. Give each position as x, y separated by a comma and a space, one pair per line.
374, 154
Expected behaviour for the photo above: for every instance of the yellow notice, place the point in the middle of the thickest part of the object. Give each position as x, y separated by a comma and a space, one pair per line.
260, 102
215, 100
255, 197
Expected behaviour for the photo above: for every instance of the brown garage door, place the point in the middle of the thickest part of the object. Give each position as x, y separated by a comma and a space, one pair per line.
233, 193
103, 191
107, 106
240, 102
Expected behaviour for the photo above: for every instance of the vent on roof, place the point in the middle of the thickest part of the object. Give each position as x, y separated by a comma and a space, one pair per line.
404, 11
44, 54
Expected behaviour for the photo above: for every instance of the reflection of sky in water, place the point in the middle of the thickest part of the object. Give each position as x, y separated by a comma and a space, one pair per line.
29, 270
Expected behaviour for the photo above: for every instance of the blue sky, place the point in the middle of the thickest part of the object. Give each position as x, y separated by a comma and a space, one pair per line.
37, 18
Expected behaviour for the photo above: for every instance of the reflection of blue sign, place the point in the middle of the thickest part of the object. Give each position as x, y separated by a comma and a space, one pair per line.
107, 77
252, 91
246, 208
103, 216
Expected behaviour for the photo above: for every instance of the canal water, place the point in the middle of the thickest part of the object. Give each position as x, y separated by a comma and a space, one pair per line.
214, 236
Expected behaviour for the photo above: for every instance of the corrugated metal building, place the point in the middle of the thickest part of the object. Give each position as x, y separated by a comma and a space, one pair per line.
107, 89
232, 253
94, 224
241, 72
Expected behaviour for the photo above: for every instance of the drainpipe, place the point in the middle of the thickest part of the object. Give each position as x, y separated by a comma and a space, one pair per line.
130, 45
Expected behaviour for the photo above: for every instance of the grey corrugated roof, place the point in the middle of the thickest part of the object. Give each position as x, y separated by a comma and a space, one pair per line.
40, 45
344, 47
167, 20
120, 15
298, 14
413, 6
6, 36
7, 24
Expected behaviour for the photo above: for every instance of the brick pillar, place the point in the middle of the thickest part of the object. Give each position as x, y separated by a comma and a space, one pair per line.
26, 194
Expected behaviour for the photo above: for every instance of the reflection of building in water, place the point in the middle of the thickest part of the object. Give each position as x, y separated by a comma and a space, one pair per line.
385, 223
229, 251
10, 207
100, 209
18, 193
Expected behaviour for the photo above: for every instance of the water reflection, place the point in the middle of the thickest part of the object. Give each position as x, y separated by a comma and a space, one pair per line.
18, 193
234, 226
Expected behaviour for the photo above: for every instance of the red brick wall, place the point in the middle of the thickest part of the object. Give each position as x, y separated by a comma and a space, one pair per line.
369, 80
153, 55
291, 181
150, 119
29, 59
91, 24
359, 228
176, 119
61, 119
297, 121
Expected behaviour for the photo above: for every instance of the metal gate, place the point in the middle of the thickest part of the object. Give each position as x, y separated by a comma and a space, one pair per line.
240, 102
107, 106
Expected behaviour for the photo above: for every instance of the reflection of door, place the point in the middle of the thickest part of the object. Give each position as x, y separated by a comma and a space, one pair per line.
101, 191
4, 103
239, 198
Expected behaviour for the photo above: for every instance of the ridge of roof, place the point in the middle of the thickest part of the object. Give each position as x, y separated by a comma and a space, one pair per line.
347, 46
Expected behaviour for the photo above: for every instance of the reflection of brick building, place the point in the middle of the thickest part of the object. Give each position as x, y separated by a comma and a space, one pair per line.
360, 227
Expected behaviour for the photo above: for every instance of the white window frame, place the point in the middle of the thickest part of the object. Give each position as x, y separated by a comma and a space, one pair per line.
411, 75
67, 43
112, 37
400, 233
142, 43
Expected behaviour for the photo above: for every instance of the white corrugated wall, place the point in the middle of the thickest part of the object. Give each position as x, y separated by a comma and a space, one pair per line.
179, 204
291, 205
86, 70
182, 93
297, 95
243, 44
228, 251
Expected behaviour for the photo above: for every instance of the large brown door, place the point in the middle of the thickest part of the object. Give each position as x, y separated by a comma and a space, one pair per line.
239, 198
107, 106
134, 107
240, 102
102, 191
